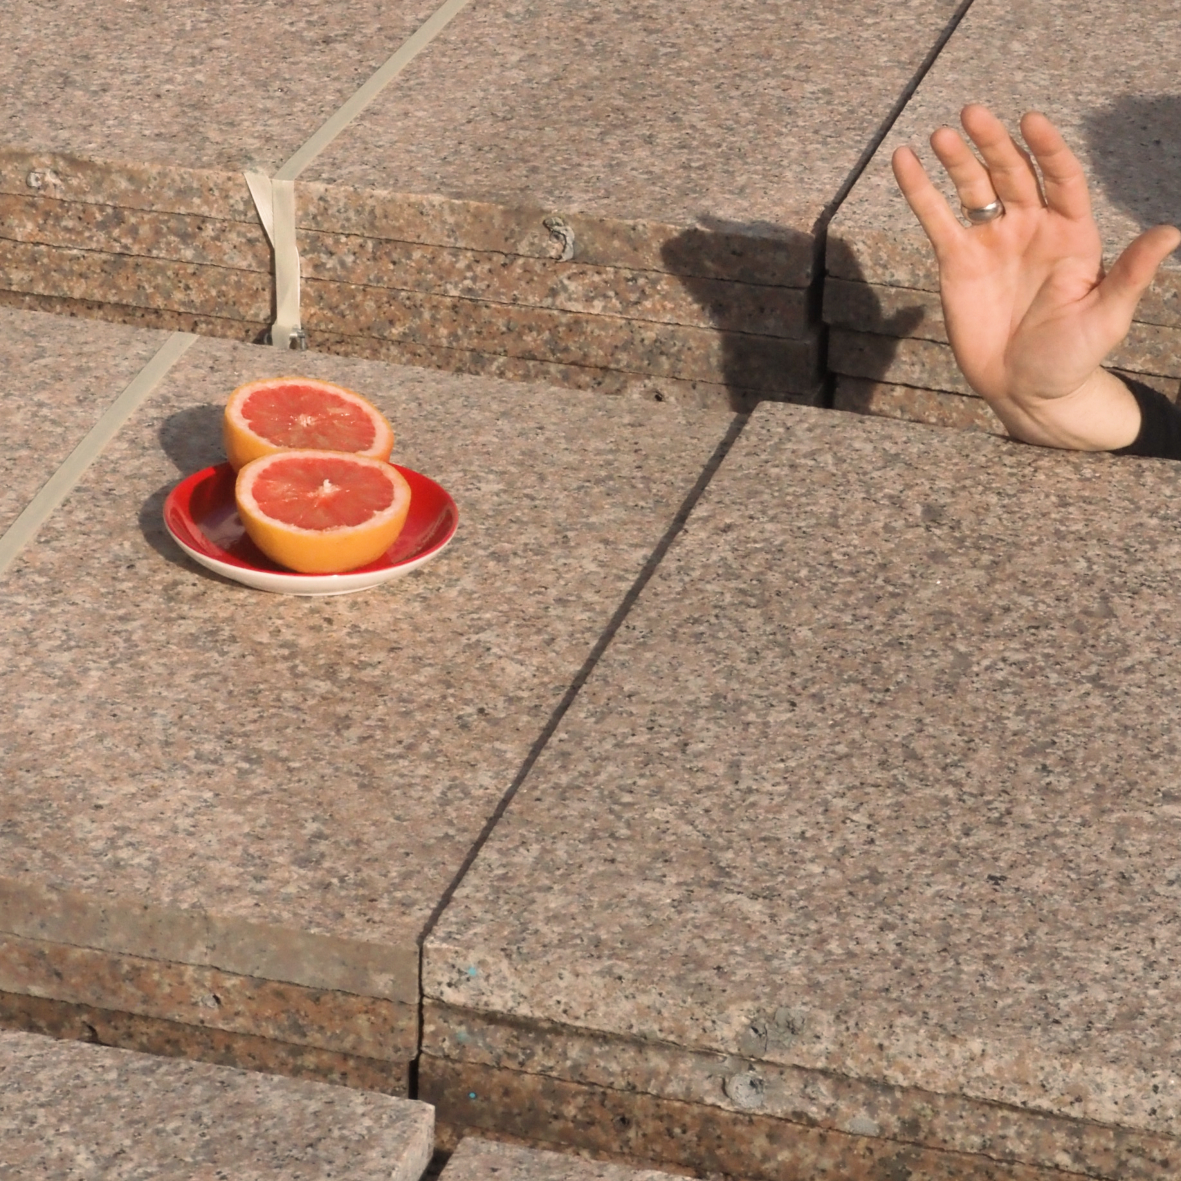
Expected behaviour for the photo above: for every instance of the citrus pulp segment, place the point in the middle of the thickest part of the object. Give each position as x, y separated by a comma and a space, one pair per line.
322, 512
281, 413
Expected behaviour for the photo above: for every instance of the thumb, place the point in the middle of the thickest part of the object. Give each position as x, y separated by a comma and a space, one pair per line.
1132, 272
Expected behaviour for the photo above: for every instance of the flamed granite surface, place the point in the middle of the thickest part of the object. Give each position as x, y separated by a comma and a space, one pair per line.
870, 807
224, 85
486, 1160
689, 154
738, 117
58, 378
239, 809
75, 1111
1096, 70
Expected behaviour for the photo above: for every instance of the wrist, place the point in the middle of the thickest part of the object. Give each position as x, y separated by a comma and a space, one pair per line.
1100, 414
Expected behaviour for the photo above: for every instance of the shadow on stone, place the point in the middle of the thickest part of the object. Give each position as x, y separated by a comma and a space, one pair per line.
191, 438
750, 280
1135, 145
863, 338
762, 287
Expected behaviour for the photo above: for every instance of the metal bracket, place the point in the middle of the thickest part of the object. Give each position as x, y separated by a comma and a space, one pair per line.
561, 234
299, 337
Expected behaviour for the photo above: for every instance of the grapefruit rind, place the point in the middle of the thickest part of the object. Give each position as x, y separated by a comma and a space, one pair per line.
333, 550
244, 444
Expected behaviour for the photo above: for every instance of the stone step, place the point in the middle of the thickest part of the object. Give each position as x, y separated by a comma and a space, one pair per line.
69, 1110
488, 1160
230, 815
691, 156
855, 855
882, 294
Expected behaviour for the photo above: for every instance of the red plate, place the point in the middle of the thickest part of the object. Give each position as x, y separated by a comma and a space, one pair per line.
202, 517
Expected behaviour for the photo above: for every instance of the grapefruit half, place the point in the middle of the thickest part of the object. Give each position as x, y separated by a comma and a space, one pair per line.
322, 512
282, 413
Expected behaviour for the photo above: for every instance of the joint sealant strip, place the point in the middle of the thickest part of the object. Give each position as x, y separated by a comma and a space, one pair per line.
63, 481
274, 197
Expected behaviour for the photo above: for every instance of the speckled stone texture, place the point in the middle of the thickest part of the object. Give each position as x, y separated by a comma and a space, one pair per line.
1095, 70
74, 1111
235, 811
690, 152
486, 1160
231, 86
59, 377
866, 822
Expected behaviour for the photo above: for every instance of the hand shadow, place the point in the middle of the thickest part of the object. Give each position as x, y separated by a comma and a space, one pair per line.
1136, 156
742, 277
191, 438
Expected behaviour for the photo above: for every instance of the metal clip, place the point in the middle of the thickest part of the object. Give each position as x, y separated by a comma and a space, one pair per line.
299, 337
563, 235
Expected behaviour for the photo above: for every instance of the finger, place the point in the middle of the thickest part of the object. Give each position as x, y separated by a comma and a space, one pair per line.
1009, 169
1062, 174
1132, 272
925, 200
970, 177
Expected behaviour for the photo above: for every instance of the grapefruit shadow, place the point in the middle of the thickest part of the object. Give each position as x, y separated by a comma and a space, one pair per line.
191, 438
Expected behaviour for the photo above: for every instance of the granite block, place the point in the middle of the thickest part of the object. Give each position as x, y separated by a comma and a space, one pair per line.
669, 114
170, 195
877, 781
209, 998
141, 233
70, 1110
933, 407
631, 345
1074, 64
233, 87
703, 395
767, 255
200, 1043
127, 280
88, 309
741, 1085
924, 364
931, 365
282, 789
60, 377
518, 280
470, 1099
904, 312
484, 1160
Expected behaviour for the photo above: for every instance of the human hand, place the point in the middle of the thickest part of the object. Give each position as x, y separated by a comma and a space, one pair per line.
1029, 311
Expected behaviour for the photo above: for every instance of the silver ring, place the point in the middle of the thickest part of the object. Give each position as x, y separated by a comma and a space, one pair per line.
984, 213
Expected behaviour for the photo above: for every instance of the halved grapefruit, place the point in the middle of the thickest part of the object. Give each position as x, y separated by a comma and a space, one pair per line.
282, 413
322, 512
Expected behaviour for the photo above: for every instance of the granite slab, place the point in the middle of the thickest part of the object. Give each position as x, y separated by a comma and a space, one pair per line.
488, 1160
929, 364
860, 395
745, 118
864, 827
70, 1110
903, 312
59, 376
231, 87
235, 811
1096, 71
688, 154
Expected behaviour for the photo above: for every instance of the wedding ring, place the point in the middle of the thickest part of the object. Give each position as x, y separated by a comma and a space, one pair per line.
984, 213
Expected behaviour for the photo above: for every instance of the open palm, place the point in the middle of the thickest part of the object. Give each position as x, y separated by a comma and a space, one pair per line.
1029, 311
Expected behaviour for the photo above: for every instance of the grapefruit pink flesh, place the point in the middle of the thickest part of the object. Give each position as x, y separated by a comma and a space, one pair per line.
322, 512
278, 414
